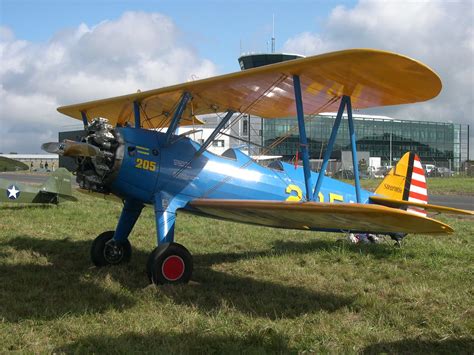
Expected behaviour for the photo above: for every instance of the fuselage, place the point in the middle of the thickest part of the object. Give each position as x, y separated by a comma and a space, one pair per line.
18, 192
150, 165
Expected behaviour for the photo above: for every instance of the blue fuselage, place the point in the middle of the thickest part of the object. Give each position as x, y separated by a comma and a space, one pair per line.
150, 166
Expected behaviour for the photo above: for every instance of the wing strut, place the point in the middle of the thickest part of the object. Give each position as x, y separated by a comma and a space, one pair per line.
84, 119
353, 147
221, 124
136, 112
303, 138
345, 104
177, 116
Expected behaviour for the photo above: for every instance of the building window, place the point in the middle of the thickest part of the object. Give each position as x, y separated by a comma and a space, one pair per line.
245, 128
218, 143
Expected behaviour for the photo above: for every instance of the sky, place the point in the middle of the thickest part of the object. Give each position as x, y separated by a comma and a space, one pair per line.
54, 53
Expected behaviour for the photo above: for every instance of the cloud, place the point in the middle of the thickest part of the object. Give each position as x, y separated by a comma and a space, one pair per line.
136, 51
305, 43
438, 33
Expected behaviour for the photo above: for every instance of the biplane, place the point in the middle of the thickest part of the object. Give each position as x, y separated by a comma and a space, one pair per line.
132, 151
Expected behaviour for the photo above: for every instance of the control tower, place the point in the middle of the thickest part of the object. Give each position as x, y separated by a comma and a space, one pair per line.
249, 128
248, 61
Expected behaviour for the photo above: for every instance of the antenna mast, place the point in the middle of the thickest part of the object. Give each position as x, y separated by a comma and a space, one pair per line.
273, 34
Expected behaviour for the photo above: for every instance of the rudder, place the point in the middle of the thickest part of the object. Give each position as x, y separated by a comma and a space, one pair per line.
406, 182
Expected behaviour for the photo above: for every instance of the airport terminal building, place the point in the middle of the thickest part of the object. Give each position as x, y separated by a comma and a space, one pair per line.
442, 144
438, 143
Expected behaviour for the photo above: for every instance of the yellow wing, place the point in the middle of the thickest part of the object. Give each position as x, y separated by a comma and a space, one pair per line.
371, 77
321, 216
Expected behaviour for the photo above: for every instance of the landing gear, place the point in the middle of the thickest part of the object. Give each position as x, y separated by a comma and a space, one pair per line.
397, 237
106, 251
170, 263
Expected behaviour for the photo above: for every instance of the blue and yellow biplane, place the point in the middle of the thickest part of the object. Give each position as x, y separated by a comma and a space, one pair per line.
132, 151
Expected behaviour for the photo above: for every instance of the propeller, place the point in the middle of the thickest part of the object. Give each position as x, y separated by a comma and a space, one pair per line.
70, 148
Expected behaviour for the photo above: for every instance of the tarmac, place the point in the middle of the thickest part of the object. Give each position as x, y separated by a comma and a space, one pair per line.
456, 201
25, 178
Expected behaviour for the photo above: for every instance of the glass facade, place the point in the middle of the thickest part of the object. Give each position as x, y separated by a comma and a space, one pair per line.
439, 143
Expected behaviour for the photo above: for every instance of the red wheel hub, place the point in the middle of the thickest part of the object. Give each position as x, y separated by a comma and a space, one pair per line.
173, 268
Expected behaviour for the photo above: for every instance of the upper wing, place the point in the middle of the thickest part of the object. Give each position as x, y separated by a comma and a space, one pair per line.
321, 216
371, 77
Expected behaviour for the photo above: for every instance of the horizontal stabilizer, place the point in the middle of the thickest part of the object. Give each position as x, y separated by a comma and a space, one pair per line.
344, 217
403, 204
52, 196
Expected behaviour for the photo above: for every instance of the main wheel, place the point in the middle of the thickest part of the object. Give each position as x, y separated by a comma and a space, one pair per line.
106, 251
170, 263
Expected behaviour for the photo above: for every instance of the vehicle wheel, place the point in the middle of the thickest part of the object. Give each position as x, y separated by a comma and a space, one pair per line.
170, 263
106, 251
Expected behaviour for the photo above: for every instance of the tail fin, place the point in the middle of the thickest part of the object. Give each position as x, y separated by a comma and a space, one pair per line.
59, 183
406, 182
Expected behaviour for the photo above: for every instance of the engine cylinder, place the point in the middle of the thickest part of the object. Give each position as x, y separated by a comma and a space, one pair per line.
97, 173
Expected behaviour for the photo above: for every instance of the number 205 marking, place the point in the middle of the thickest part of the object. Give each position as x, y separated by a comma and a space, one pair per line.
296, 194
145, 164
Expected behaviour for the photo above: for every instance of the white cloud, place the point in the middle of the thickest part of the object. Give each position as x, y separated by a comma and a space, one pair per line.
137, 51
305, 43
438, 33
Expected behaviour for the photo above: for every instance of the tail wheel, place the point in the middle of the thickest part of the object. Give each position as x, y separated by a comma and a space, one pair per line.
170, 263
106, 251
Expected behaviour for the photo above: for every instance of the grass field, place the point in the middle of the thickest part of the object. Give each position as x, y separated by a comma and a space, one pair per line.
254, 290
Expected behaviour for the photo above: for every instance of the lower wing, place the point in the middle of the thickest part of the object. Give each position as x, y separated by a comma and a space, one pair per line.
345, 217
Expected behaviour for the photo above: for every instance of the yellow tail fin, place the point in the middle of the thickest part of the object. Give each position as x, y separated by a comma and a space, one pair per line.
406, 182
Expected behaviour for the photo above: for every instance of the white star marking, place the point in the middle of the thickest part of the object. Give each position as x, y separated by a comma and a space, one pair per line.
13, 193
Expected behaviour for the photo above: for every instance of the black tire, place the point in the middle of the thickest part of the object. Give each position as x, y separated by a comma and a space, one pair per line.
105, 251
170, 263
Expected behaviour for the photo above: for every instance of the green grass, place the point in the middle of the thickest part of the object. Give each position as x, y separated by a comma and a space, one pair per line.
254, 290
458, 185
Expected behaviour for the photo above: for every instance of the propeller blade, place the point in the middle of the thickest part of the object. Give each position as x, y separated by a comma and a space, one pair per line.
70, 148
